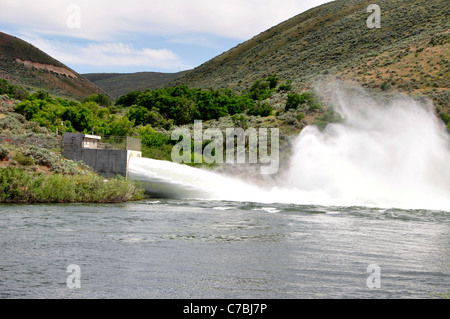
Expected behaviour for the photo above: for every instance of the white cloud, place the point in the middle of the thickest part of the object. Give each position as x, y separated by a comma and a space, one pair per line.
102, 34
104, 19
110, 55
106, 54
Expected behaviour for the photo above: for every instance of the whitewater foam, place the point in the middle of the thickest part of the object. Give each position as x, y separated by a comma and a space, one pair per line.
383, 154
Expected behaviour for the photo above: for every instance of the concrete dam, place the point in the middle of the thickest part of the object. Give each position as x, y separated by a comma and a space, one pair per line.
104, 158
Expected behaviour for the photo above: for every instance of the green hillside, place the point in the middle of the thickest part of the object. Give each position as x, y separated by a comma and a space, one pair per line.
118, 84
409, 53
23, 64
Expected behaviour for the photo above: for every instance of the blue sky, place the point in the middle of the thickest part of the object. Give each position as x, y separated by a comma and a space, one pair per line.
93, 36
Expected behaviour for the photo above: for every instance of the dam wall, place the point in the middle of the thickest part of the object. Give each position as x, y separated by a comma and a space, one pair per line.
103, 158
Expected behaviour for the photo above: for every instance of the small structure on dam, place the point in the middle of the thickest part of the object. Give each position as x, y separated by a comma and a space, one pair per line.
108, 159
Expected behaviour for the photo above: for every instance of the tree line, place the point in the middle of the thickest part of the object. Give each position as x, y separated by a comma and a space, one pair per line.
181, 105
160, 108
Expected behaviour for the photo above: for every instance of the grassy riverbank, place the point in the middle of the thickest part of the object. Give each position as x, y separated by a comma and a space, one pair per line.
17, 185
37, 175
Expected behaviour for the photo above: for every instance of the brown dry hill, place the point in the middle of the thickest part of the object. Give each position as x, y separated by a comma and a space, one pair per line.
409, 53
23, 64
118, 84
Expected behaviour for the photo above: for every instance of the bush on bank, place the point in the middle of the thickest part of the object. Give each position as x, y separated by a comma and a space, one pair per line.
20, 186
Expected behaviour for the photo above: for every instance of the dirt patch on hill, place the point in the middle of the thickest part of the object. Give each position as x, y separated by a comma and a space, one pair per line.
48, 67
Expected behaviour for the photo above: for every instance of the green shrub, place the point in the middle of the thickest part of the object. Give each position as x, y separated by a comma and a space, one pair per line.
121, 126
285, 87
4, 153
142, 116
293, 101
18, 185
300, 117
289, 117
152, 138
13, 91
23, 159
41, 156
65, 167
261, 109
100, 99
385, 86
129, 99
163, 153
273, 81
13, 181
11, 125
446, 118
260, 90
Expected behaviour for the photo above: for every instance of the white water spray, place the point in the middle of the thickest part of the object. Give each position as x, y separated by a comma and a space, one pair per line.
168, 179
383, 154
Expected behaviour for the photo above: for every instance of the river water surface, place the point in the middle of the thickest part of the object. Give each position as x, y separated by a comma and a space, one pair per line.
218, 249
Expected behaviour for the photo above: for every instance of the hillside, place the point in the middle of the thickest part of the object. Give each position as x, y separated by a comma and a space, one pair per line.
118, 84
409, 53
23, 64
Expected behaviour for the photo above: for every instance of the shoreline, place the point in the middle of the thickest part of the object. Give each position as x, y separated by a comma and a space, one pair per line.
18, 186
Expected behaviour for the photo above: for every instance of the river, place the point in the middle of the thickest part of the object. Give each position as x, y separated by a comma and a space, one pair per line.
171, 248
322, 228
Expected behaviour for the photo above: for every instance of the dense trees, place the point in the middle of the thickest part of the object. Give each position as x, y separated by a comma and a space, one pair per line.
72, 116
101, 99
13, 91
163, 107
181, 105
